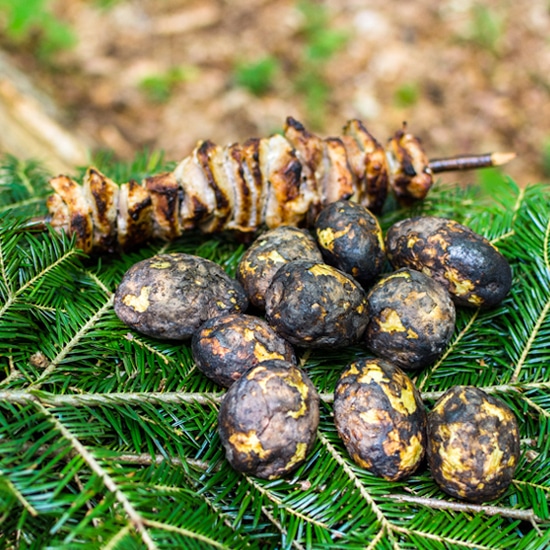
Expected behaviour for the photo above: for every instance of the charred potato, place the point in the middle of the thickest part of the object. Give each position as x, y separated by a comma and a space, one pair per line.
227, 346
268, 420
380, 417
474, 272
268, 253
411, 319
313, 304
350, 238
473, 444
169, 296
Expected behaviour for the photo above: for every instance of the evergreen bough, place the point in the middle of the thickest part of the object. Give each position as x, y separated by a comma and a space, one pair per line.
108, 438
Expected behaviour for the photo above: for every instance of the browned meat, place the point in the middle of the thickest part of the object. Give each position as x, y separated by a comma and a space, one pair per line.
280, 180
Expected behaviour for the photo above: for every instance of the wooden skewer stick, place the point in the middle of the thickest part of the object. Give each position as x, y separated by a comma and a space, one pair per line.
469, 162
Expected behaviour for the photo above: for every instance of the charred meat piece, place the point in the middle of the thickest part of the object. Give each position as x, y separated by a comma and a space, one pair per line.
410, 174
268, 253
244, 193
367, 159
338, 181
135, 215
473, 444
312, 304
411, 319
199, 202
380, 417
473, 271
268, 420
102, 196
75, 206
309, 150
165, 200
227, 346
169, 296
282, 172
350, 238
211, 159
255, 180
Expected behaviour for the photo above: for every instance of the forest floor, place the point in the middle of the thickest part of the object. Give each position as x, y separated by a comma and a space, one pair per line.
467, 76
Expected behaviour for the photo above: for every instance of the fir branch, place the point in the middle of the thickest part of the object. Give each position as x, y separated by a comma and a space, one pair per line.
184, 532
72, 343
451, 347
98, 399
386, 526
146, 416
289, 509
118, 538
202, 398
15, 294
135, 518
532, 338
500, 388
22, 204
18, 495
280, 528
438, 504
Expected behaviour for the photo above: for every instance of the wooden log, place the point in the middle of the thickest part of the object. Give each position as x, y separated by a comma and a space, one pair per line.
32, 126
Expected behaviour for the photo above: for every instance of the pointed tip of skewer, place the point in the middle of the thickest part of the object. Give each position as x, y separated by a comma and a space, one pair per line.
470, 162
498, 159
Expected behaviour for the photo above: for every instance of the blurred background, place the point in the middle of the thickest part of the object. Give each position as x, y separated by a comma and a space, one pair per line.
78, 77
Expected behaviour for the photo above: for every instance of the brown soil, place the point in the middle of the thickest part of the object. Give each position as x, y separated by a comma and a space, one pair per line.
466, 76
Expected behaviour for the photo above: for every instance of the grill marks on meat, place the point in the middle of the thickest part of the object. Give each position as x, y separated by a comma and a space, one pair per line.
279, 180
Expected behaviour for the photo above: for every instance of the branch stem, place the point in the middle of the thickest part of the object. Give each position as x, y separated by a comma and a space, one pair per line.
203, 398
137, 521
513, 513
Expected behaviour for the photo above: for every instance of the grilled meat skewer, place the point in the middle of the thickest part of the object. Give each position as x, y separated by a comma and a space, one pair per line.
280, 180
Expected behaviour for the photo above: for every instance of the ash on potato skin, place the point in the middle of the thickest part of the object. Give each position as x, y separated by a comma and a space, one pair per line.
312, 304
473, 271
268, 253
169, 296
380, 417
268, 420
411, 319
227, 346
350, 239
473, 444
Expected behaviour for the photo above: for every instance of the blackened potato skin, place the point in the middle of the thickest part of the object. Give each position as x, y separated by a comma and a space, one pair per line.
350, 238
474, 272
380, 417
473, 444
268, 420
169, 296
227, 346
268, 253
312, 304
411, 319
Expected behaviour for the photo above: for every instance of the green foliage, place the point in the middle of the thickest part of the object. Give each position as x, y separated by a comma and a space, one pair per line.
407, 95
487, 28
108, 438
106, 4
257, 76
322, 42
28, 19
312, 85
318, 44
159, 87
